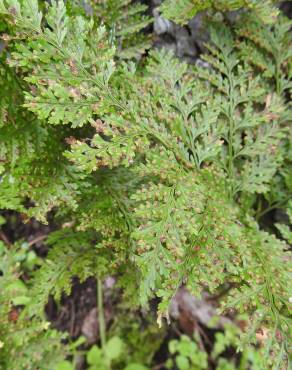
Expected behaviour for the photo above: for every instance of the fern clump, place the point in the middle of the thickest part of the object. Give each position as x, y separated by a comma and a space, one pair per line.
154, 171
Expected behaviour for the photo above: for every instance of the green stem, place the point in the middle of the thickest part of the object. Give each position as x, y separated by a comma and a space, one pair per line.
230, 157
277, 76
101, 319
271, 207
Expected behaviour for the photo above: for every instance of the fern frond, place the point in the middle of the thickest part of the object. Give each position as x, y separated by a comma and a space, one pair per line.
26, 344
240, 117
125, 21
160, 161
284, 229
182, 11
69, 76
268, 48
115, 143
71, 254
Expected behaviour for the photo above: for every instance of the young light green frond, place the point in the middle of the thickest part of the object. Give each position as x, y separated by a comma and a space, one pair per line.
69, 77
182, 11
115, 143
28, 13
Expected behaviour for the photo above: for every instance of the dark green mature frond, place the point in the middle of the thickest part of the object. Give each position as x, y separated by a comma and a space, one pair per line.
20, 133
251, 133
46, 179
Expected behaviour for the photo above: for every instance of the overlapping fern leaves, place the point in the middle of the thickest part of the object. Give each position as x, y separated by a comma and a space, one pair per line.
157, 166
125, 21
23, 345
181, 11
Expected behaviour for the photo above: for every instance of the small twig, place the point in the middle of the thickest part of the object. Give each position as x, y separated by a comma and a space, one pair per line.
205, 337
37, 239
72, 321
101, 319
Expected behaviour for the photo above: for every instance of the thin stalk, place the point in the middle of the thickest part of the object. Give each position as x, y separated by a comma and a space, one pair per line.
230, 162
259, 215
101, 319
277, 76
231, 114
270, 208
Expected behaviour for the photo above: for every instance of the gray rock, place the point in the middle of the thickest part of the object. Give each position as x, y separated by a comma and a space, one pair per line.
161, 25
281, 216
199, 35
156, 2
87, 7
185, 45
202, 63
185, 41
90, 326
188, 309
2, 45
